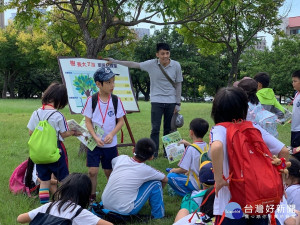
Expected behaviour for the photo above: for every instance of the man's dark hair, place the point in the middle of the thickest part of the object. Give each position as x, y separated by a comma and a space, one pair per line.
57, 94
162, 46
144, 149
296, 74
230, 103
262, 78
199, 127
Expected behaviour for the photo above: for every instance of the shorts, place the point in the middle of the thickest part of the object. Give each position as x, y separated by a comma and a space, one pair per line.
295, 139
60, 169
105, 155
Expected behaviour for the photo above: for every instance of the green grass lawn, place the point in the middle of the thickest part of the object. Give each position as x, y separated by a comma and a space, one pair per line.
14, 116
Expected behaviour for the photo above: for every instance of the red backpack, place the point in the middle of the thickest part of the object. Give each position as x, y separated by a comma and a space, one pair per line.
253, 180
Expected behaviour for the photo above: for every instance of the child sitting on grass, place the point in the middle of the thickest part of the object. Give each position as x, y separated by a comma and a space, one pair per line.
68, 200
190, 161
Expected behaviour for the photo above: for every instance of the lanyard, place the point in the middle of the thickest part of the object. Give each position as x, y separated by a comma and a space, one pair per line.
47, 105
103, 117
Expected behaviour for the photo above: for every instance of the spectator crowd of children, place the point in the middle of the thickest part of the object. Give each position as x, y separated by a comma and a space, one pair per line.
209, 177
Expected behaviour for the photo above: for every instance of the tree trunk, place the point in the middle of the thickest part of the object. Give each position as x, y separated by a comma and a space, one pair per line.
12, 86
234, 68
5, 84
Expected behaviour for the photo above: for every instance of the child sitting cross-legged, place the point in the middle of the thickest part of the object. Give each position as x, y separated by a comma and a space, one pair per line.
190, 161
132, 183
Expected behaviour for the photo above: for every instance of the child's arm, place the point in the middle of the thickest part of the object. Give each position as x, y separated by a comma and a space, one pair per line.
186, 143
108, 139
178, 170
89, 126
217, 161
284, 153
30, 132
23, 218
104, 222
164, 181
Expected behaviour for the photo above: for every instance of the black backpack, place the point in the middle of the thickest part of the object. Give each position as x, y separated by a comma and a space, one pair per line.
114, 99
48, 219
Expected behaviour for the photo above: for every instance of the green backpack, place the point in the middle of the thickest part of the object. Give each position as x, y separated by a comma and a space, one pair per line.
43, 143
189, 203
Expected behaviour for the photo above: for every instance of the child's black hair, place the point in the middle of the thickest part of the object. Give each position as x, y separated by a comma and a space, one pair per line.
294, 169
144, 149
162, 46
199, 127
57, 94
75, 188
263, 78
296, 74
230, 103
250, 87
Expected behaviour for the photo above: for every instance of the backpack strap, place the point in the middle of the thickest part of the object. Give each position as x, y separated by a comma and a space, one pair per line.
51, 115
77, 213
114, 99
94, 101
38, 115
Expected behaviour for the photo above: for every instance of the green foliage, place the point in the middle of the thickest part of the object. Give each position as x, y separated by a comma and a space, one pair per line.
280, 63
232, 27
85, 85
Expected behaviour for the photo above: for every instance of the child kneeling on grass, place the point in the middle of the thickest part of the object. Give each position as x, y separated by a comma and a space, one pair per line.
132, 183
72, 195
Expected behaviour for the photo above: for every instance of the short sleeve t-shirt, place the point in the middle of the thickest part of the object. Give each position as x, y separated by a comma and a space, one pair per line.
85, 217
293, 195
191, 160
124, 182
296, 114
218, 133
57, 120
161, 90
104, 111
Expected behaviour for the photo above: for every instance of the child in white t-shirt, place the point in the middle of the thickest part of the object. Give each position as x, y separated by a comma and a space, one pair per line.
190, 161
72, 195
292, 182
132, 183
231, 104
110, 120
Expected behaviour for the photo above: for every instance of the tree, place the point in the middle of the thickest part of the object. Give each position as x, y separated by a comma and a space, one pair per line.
233, 27
279, 63
100, 23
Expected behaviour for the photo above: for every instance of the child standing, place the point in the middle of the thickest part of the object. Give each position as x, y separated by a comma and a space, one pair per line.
54, 98
231, 104
70, 199
103, 116
132, 183
266, 95
190, 161
295, 127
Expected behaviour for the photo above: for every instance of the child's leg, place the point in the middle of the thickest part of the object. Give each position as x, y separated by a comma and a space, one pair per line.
93, 174
181, 213
44, 194
151, 190
107, 156
178, 181
107, 173
53, 184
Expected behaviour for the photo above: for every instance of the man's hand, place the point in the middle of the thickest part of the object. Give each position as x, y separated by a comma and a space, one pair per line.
177, 109
109, 60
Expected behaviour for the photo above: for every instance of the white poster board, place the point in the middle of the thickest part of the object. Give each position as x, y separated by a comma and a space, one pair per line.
77, 74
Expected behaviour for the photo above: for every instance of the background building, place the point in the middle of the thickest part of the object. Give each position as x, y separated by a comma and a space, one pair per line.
291, 25
141, 32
